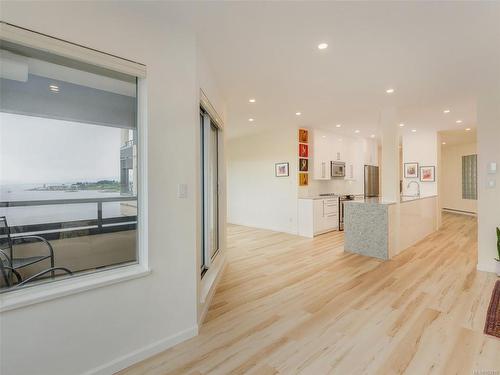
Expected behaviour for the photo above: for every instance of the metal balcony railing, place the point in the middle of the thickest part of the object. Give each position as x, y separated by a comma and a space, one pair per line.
128, 144
84, 227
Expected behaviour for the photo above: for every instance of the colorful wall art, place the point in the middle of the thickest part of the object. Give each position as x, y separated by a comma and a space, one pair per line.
303, 157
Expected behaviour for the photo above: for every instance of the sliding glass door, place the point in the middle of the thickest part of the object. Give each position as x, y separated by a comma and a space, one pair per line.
210, 189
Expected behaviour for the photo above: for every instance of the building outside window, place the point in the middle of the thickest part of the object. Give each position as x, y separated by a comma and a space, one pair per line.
68, 167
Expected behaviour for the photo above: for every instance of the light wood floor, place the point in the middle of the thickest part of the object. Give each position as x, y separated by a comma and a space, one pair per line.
288, 305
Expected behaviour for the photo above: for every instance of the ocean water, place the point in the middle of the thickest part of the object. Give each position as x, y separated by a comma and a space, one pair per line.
58, 212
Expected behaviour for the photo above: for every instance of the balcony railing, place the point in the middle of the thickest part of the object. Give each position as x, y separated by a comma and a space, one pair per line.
52, 230
128, 144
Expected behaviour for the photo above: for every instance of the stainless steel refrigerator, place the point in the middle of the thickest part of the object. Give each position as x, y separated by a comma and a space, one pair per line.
371, 181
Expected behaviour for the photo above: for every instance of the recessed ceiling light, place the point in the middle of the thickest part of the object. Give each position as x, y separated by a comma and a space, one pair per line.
390, 91
338, 125
443, 143
251, 120
401, 125
252, 100
298, 113
459, 121
54, 88
468, 129
413, 130
322, 46
446, 111
356, 131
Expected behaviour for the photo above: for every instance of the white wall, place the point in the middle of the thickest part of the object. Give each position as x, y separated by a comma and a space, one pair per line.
488, 136
451, 177
422, 148
255, 197
106, 328
389, 156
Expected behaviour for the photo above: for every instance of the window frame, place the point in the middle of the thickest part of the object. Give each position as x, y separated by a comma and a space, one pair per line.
469, 177
208, 273
14, 299
207, 120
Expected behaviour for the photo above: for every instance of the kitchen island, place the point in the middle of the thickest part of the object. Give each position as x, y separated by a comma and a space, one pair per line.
382, 229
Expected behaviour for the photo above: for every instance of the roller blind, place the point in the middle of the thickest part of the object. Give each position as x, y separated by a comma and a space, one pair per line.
45, 43
46, 85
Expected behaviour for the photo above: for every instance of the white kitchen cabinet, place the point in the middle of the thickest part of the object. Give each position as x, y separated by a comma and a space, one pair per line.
355, 159
338, 148
371, 152
317, 216
349, 154
354, 152
330, 214
320, 154
326, 147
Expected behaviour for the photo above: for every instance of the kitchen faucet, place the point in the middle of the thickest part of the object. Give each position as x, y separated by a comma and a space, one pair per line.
418, 187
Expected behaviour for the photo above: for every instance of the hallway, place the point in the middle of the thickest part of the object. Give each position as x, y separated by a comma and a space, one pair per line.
288, 305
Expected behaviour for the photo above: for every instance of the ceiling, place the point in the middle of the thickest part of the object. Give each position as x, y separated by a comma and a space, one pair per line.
457, 137
434, 54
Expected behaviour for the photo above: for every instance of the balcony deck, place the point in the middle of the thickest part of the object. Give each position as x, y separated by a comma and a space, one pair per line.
82, 245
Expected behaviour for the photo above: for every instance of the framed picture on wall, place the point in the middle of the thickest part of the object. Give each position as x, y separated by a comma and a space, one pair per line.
303, 179
411, 170
303, 165
281, 170
303, 136
303, 151
428, 174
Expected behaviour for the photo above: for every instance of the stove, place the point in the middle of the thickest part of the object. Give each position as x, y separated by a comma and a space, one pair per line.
342, 199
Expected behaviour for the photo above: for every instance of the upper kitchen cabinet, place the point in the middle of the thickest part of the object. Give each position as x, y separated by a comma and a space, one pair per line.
354, 158
371, 152
321, 155
354, 152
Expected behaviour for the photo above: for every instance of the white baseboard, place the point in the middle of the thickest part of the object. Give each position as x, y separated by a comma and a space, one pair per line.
487, 267
258, 226
459, 212
143, 353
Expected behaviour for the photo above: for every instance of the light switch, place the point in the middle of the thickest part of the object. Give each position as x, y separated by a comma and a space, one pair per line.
182, 191
492, 184
492, 168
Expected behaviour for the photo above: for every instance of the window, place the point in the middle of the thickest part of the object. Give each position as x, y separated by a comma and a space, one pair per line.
469, 177
210, 189
68, 167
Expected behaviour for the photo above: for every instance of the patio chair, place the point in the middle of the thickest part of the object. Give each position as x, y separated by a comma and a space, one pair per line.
10, 264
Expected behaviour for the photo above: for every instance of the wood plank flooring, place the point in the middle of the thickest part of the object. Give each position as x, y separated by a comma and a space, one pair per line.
291, 305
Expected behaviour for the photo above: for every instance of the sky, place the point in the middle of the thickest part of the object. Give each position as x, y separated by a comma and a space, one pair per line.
38, 150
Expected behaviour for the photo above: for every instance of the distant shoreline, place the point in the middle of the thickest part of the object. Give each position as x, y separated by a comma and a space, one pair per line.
103, 186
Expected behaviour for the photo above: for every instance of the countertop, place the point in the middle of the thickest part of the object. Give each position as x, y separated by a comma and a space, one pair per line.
373, 200
410, 198
381, 201
313, 197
